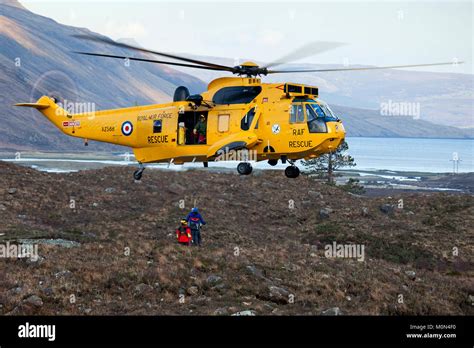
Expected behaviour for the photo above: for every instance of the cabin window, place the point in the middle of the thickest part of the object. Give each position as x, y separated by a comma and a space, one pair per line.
236, 95
247, 119
223, 123
296, 113
328, 112
315, 124
318, 110
300, 115
311, 115
157, 126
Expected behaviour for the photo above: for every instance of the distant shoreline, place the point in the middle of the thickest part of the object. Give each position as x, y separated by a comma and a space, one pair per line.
417, 138
106, 158
377, 182
4, 150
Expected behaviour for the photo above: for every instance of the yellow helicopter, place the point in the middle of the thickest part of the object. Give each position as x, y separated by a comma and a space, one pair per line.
237, 118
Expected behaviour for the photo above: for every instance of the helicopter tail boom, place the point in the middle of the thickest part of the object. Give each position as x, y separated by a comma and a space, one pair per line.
52, 111
111, 126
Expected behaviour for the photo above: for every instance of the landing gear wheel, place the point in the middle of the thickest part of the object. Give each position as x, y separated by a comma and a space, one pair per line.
244, 168
273, 162
292, 172
137, 175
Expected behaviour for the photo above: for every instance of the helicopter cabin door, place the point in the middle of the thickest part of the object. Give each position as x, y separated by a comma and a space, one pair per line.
188, 121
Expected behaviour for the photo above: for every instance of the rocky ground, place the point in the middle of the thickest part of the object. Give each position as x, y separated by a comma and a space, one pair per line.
107, 246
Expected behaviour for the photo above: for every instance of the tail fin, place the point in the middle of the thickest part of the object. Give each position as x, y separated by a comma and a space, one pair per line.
48, 107
33, 105
42, 103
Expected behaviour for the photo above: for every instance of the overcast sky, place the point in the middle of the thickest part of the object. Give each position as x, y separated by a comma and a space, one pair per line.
376, 32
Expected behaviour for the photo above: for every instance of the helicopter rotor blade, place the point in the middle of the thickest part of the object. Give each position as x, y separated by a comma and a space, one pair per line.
149, 60
308, 50
140, 49
358, 69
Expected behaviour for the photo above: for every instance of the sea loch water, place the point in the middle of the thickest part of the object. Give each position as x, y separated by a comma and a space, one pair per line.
393, 154
412, 154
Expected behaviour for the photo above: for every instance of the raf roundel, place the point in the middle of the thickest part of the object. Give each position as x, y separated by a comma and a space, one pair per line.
127, 128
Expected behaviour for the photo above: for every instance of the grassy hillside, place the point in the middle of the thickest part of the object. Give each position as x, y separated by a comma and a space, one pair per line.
258, 253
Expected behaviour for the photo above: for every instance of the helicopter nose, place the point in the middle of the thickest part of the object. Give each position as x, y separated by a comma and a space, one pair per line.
340, 130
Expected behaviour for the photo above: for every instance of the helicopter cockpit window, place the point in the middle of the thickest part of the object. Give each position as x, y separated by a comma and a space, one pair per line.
296, 113
247, 119
329, 114
300, 116
318, 110
157, 126
316, 123
236, 95
310, 113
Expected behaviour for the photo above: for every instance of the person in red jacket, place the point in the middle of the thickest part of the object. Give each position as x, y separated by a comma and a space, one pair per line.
183, 233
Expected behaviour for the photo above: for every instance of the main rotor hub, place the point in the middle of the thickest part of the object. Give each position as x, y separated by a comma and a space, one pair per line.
249, 69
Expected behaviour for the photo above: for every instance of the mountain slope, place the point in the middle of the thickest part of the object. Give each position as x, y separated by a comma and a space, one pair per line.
444, 98
364, 122
36, 56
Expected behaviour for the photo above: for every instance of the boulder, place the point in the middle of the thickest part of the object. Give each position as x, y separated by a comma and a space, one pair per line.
332, 311
245, 313
63, 274
251, 269
411, 274
142, 288
387, 208
221, 311
315, 194
34, 300
202, 299
35, 259
278, 294
48, 291
193, 290
17, 290
213, 280
324, 213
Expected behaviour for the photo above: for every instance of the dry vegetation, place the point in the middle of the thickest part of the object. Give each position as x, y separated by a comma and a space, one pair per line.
279, 267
